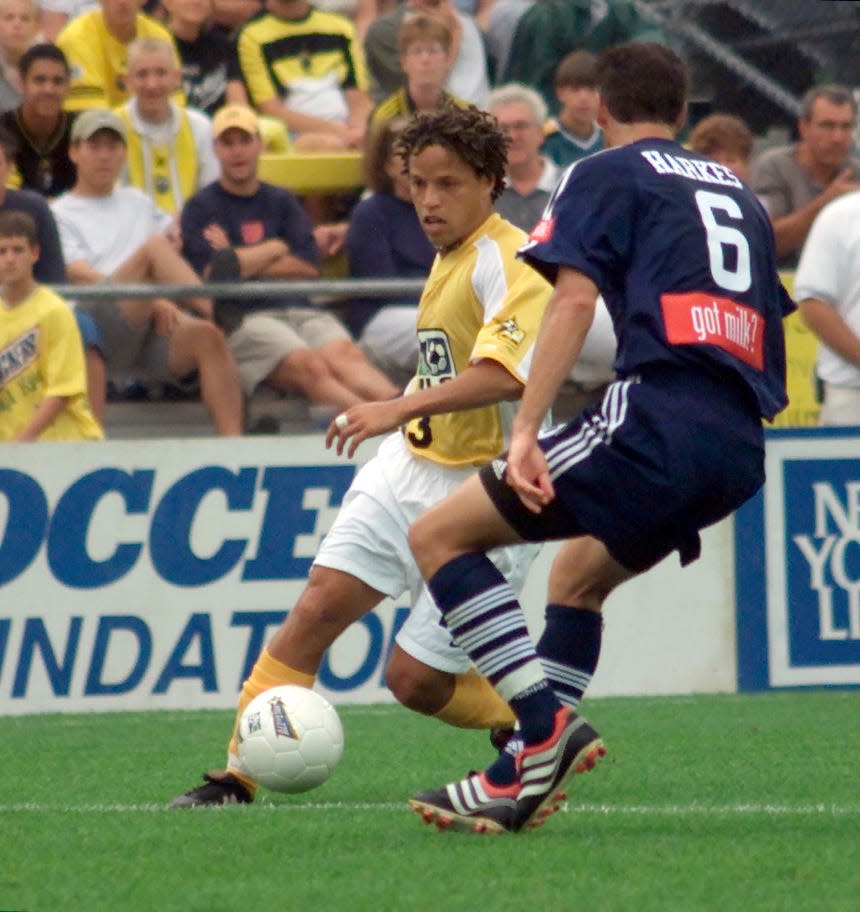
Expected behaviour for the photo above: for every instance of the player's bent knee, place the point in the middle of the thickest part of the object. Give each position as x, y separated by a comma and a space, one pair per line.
417, 686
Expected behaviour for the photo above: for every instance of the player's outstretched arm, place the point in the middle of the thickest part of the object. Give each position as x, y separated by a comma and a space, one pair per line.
484, 383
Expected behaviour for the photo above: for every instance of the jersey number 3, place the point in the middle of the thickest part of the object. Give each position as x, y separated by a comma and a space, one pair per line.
728, 249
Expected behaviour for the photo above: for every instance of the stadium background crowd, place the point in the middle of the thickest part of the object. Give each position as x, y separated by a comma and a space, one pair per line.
330, 82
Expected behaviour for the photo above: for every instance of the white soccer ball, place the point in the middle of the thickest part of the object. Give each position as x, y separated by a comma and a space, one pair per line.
290, 739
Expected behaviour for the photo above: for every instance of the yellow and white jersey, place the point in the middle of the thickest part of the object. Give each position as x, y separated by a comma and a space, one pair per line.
41, 355
304, 62
98, 61
479, 302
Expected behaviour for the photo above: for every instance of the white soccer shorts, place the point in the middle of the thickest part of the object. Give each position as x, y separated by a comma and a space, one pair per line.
369, 541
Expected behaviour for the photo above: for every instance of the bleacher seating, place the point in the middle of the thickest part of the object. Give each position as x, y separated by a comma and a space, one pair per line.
334, 172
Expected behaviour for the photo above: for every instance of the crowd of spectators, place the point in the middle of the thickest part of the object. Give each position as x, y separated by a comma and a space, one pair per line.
306, 77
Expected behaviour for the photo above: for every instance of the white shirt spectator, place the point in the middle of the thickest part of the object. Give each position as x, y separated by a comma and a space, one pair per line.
829, 271
106, 231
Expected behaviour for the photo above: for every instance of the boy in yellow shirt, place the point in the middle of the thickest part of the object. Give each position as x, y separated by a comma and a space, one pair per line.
42, 375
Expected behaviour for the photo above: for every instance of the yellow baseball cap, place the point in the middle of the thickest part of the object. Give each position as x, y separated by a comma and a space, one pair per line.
235, 116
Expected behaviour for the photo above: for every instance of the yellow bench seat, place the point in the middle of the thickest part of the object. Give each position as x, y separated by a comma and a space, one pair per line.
328, 172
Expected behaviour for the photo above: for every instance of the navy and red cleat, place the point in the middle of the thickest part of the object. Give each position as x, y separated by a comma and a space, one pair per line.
475, 805
544, 768
472, 805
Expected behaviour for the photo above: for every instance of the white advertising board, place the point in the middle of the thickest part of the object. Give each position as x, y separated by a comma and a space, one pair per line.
148, 574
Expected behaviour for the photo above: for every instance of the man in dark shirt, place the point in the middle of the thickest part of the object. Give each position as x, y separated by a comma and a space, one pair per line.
285, 343
40, 125
206, 52
50, 268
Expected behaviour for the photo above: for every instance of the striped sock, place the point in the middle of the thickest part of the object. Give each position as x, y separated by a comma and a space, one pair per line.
569, 649
480, 609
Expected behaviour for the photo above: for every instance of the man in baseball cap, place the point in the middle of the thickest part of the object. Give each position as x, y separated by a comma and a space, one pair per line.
235, 116
113, 233
90, 122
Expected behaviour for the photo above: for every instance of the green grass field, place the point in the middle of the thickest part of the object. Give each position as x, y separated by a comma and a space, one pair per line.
703, 803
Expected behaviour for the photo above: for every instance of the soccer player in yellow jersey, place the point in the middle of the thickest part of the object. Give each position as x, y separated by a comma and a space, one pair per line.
43, 380
477, 324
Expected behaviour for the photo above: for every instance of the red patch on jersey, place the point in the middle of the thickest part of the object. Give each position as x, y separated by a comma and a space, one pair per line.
542, 232
252, 232
697, 318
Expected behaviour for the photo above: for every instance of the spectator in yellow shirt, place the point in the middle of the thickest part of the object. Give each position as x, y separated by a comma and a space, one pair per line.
96, 46
305, 67
424, 43
43, 381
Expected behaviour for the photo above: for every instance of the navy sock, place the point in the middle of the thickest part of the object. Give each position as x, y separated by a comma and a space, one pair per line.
503, 770
535, 712
569, 650
536, 719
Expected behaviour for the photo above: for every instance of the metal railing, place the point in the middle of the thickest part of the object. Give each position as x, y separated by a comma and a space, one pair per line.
288, 290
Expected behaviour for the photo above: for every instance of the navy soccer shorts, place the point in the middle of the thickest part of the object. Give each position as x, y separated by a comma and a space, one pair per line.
659, 458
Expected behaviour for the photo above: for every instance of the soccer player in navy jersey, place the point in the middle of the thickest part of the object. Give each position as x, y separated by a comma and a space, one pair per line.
683, 254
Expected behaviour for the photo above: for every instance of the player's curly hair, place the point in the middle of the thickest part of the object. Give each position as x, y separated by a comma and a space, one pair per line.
472, 135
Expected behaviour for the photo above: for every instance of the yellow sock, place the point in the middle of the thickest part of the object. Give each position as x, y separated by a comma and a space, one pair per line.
267, 672
476, 704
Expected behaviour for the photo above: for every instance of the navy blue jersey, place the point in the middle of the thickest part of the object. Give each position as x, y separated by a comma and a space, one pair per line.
683, 254
270, 212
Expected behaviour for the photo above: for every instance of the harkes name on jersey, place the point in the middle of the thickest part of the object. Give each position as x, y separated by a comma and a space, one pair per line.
17, 356
692, 168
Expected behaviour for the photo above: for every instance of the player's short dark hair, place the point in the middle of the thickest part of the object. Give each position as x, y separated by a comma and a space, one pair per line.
474, 136
722, 133
15, 223
576, 71
42, 52
642, 82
